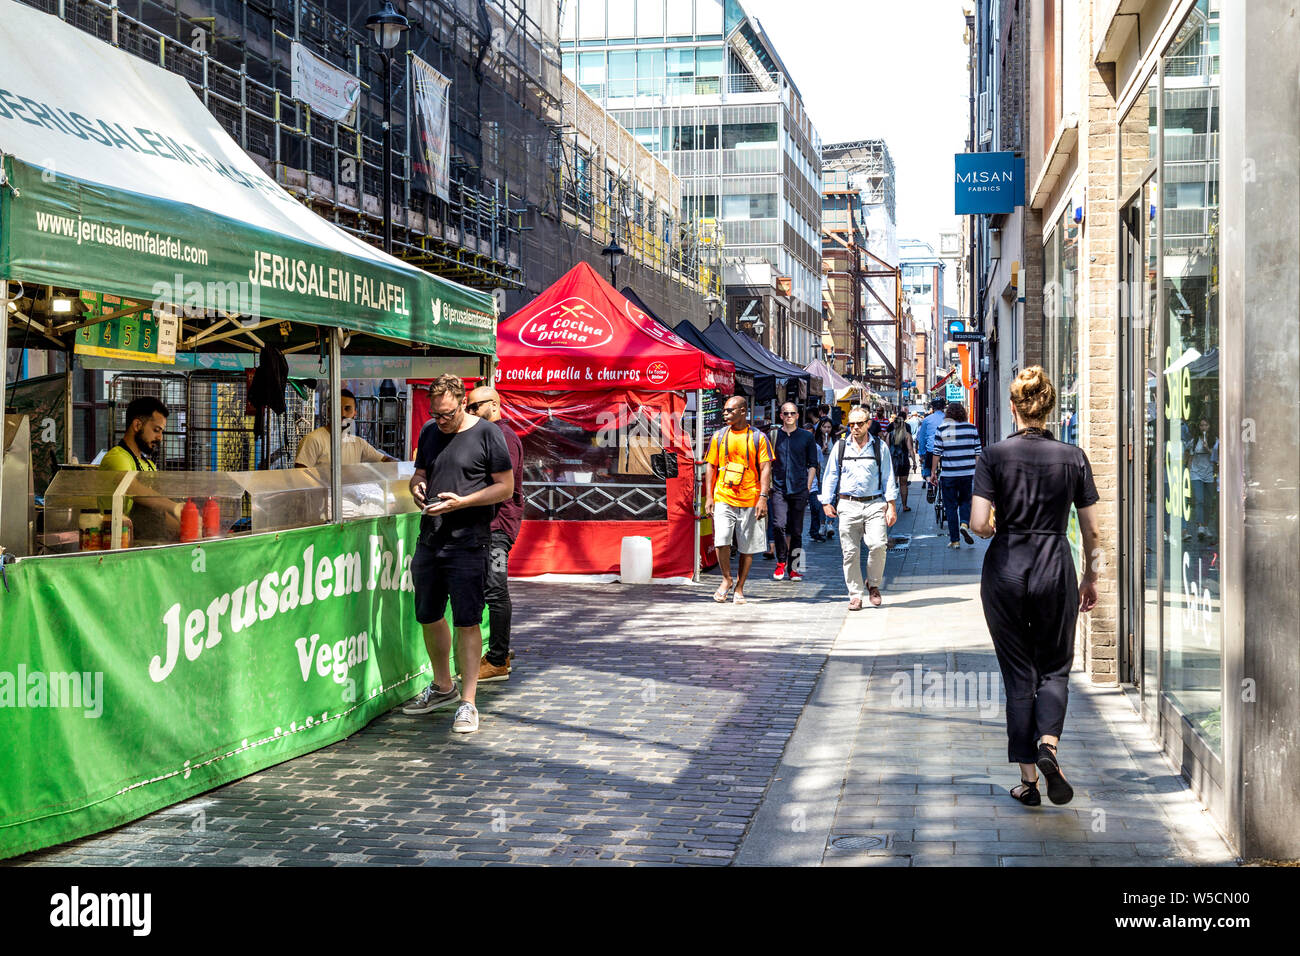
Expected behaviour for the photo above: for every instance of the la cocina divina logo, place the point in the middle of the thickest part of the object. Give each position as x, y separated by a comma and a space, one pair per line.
657, 372
569, 324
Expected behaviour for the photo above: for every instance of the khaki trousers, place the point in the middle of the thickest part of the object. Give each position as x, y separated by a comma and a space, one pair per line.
863, 523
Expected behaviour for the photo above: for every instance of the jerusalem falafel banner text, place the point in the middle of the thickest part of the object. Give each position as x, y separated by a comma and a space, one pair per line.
121, 181
240, 654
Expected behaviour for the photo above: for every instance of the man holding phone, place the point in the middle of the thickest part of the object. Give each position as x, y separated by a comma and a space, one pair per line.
462, 471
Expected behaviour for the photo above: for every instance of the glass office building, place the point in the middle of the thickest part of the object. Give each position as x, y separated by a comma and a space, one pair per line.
700, 85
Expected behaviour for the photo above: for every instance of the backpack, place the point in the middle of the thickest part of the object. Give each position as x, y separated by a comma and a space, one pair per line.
839, 466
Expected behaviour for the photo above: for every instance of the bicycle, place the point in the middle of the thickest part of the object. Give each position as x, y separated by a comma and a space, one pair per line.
938, 504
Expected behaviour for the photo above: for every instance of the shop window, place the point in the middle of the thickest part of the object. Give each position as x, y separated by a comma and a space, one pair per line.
1191, 623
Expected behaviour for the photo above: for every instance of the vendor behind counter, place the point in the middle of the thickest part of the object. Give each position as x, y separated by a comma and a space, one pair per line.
146, 421
315, 448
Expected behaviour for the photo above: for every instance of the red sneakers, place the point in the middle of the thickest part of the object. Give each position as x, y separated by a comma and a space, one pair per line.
778, 573
796, 576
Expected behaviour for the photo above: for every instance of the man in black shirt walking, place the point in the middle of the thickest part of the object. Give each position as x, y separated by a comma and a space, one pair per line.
462, 471
793, 475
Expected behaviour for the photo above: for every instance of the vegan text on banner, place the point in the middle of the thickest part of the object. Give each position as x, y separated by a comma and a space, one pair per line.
223, 659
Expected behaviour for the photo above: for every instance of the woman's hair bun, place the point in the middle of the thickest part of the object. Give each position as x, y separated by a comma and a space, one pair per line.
1033, 394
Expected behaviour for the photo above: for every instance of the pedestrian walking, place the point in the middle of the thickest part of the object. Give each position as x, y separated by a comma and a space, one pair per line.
737, 482
462, 471
793, 474
822, 442
953, 452
924, 438
903, 452
1202, 456
859, 488
1032, 596
495, 665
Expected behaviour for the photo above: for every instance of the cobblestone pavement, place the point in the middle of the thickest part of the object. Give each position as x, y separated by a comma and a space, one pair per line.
640, 725
649, 725
886, 769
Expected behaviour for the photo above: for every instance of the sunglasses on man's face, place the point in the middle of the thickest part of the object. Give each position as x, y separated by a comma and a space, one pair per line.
788, 414
475, 406
445, 416
857, 424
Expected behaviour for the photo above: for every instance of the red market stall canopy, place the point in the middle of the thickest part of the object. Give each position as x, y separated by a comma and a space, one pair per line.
582, 335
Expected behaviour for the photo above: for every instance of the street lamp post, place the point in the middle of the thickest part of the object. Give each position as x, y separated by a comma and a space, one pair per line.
614, 253
388, 26
713, 305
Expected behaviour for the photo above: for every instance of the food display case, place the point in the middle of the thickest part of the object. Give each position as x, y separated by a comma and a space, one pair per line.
374, 489
284, 498
96, 510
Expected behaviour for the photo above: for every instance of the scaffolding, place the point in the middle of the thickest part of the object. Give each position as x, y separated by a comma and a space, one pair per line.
868, 163
502, 59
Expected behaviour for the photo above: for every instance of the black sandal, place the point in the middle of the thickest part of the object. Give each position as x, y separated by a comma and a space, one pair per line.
1059, 790
1028, 794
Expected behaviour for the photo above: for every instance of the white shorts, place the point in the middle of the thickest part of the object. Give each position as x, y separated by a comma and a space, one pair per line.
750, 532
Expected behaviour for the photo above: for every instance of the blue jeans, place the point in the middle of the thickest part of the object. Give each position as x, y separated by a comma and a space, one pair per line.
1204, 500
956, 502
815, 514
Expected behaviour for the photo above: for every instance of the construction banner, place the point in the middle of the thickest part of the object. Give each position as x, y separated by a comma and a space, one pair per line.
329, 91
430, 157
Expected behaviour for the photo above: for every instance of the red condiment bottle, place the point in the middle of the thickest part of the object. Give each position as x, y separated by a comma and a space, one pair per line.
190, 521
212, 519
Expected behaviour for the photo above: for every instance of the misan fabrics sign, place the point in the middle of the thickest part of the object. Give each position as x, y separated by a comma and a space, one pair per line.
988, 183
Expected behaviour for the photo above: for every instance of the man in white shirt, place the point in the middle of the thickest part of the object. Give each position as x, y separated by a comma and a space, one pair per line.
315, 448
860, 488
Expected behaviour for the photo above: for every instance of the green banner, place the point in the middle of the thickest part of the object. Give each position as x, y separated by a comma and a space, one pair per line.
68, 232
130, 681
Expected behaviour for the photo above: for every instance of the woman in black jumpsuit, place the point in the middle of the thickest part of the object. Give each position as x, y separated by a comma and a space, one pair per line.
1023, 489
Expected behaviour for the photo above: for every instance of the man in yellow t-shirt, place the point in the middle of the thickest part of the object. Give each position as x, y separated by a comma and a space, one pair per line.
157, 518
736, 483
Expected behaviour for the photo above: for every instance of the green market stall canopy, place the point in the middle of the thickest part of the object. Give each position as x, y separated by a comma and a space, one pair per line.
117, 179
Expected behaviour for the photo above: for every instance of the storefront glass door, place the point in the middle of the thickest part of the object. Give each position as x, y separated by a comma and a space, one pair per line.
1192, 627
1140, 581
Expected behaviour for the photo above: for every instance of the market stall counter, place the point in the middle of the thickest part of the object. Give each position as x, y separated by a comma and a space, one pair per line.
189, 628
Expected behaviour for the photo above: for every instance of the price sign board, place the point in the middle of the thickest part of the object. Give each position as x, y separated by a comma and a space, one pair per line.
147, 336
955, 392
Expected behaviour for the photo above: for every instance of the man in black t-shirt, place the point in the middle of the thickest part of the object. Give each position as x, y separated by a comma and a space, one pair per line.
462, 471
495, 665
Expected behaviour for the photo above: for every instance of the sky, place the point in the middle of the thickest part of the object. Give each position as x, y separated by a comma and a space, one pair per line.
883, 68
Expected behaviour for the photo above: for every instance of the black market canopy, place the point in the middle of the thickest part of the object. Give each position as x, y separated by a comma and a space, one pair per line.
744, 376
729, 341
117, 179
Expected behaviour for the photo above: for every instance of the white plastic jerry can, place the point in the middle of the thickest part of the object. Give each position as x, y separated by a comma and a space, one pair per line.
636, 560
